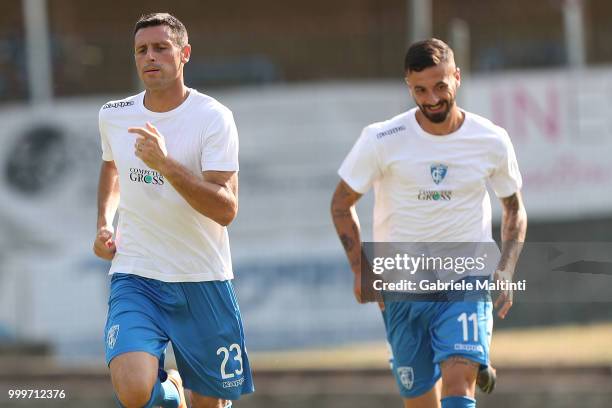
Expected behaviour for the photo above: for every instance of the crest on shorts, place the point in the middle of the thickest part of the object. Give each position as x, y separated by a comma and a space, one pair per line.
438, 172
406, 376
111, 337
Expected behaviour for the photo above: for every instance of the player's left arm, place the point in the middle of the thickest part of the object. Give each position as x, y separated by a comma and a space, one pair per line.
513, 232
213, 194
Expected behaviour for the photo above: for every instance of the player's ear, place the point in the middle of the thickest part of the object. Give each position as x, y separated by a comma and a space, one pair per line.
185, 53
458, 76
408, 84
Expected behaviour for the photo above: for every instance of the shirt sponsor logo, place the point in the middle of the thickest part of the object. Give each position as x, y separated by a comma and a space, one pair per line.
233, 383
391, 131
435, 195
438, 172
121, 104
146, 176
406, 376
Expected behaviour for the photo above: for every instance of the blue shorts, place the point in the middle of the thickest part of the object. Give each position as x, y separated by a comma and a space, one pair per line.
201, 319
422, 334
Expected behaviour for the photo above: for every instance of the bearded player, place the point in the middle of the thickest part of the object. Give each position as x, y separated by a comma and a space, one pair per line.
429, 168
170, 165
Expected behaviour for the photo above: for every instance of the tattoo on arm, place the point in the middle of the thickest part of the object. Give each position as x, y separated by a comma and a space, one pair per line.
510, 225
347, 242
343, 192
346, 222
513, 230
511, 203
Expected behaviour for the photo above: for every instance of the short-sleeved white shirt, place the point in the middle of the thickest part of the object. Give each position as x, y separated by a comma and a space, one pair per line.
159, 235
432, 188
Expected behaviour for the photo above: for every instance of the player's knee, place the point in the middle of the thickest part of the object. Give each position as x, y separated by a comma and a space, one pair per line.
459, 377
135, 397
199, 401
133, 376
132, 391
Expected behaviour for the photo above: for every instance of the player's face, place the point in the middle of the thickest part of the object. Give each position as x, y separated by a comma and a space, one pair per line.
434, 90
159, 60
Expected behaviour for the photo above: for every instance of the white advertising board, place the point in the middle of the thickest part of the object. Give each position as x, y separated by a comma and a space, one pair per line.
561, 125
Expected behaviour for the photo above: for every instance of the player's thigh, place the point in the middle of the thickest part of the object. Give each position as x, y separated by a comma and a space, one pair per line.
208, 342
412, 357
202, 401
134, 339
431, 399
135, 322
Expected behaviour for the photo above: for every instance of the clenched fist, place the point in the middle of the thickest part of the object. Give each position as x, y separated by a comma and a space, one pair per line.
104, 245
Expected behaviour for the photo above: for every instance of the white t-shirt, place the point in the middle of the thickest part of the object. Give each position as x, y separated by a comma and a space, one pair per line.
432, 188
159, 235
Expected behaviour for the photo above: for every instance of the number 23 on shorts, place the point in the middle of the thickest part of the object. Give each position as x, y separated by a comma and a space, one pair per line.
226, 356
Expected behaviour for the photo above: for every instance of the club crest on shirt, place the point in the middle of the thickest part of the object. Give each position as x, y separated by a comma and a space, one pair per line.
438, 172
111, 338
406, 376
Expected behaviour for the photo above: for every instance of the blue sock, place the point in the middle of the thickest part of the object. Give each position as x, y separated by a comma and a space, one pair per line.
164, 395
458, 402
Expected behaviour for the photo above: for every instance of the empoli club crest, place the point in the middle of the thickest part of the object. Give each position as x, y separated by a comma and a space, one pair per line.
111, 338
438, 172
406, 376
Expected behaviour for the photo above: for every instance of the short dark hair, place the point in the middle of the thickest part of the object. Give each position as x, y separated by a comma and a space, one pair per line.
427, 53
178, 30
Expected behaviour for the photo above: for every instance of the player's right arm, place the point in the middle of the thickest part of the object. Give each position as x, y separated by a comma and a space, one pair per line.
108, 201
358, 171
346, 222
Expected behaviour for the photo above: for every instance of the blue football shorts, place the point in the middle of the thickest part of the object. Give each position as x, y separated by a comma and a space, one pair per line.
201, 319
422, 334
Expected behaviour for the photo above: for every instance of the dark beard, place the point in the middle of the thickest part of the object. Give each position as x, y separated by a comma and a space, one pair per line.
437, 117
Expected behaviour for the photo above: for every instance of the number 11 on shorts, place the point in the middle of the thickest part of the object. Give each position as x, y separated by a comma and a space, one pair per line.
463, 318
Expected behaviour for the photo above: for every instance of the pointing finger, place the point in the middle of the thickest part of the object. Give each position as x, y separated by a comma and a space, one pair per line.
145, 133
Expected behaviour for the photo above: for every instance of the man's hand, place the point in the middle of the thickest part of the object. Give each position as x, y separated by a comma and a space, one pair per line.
504, 300
104, 246
150, 146
359, 296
